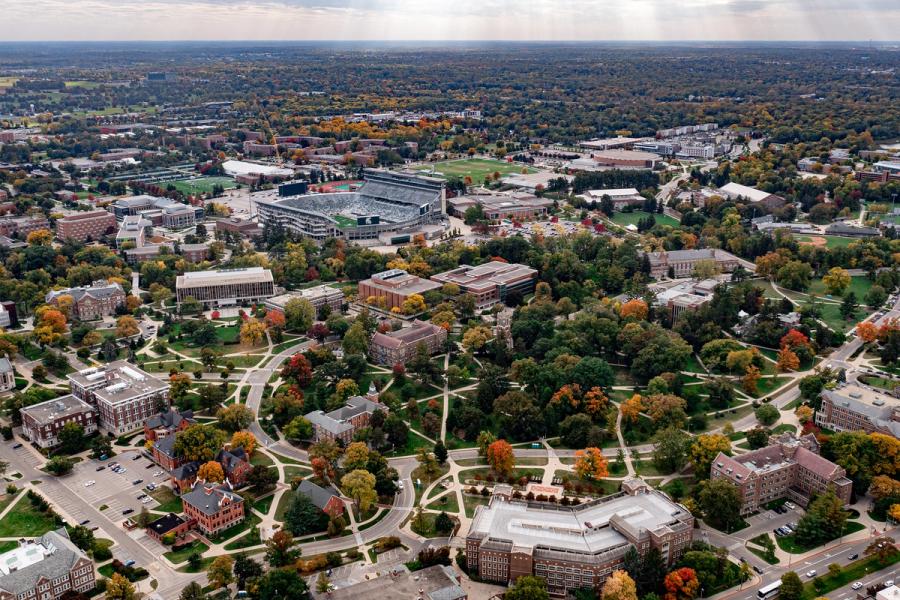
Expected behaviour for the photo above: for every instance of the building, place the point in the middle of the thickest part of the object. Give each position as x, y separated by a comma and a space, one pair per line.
626, 159
45, 569
243, 227
848, 230
240, 168
167, 423
318, 296
170, 524
160, 212
133, 231
855, 407
213, 508
98, 300
86, 227
735, 191
574, 547
225, 287
611, 143
390, 289
328, 502
490, 282
195, 253
621, 197
790, 468
148, 252
891, 592
891, 167
124, 395
178, 216
21, 226
532, 182
7, 375
235, 464
163, 453
388, 204
685, 295
499, 206
682, 262
42, 422
183, 477
401, 346
343, 423
438, 582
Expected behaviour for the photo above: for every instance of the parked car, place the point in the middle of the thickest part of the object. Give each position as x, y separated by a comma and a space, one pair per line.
792, 525
85, 522
137, 482
889, 583
100, 468
790, 505
136, 457
757, 569
89, 483
811, 573
853, 556
857, 585
17, 446
400, 485
127, 511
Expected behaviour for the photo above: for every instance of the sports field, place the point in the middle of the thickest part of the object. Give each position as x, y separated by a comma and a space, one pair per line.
632, 218
8, 81
830, 241
202, 185
476, 168
343, 221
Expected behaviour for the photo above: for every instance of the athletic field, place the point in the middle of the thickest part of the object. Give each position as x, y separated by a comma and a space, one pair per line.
201, 185
476, 168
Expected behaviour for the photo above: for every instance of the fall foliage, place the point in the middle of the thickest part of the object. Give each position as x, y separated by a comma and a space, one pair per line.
590, 464
500, 457
211, 472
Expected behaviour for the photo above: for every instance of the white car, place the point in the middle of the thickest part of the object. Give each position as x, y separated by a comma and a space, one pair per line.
400, 485
811, 573
89, 483
889, 583
857, 585
147, 500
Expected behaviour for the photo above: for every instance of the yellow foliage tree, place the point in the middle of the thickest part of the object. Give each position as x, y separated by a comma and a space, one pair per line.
127, 326
631, 408
634, 309
40, 237
414, 304
804, 414
476, 338
211, 472
619, 586
705, 449
245, 440
252, 332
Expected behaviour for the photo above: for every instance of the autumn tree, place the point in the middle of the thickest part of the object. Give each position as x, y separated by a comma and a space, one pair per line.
476, 338
787, 360
360, 485
666, 410
50, 325
635, 309
681, 584
211, 472
632, 408
619, 586
836, 281
704, 450
126, 326
299, 369
356, 455
804, 414
867, 332
500, 456
274, 319
252, 332
219, 571
235, 417
119, 588
199, 443
590, 464
299, 314
750, 379
245, 440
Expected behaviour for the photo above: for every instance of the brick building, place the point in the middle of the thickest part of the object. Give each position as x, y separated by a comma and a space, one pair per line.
855, 407
168, 423
214, 508
490, 282
42, 422
21, 226
318, 296
682, 262
243, 227
98, 300
326, 501
392, 288
168, 524
86, 227
124, 395
342, 424
788, 468
45, 569
401, 346
574, 547
195, 253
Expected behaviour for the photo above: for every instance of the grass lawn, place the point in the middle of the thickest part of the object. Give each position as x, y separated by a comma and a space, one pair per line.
789, 544
259, 458
234, 530
766, 384
470, 502
182, 554
831, 241
7, 546
264, 504
23, 520
623, 218
5, 500
427, 528
476, 168
414, 441
283, 505
202, 185
859, 285
168, 501
831, 315
447, 503
693, 365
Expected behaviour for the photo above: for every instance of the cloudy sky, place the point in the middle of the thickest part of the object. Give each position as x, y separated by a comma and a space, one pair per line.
818, 20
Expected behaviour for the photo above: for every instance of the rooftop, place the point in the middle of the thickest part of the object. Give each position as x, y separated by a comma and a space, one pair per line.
734, 190
209, 498
224, 277
490, 274
338, 420
311, 294
432, 583
400, 280
58, 408
419, 330
165, 524
118, 381
51, 556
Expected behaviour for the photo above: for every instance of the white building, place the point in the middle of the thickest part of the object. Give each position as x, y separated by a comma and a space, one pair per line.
226, 287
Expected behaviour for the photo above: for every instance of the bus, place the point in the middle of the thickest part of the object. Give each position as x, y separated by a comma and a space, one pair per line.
769, 591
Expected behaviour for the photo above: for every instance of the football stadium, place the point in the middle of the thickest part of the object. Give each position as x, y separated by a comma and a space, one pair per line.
389, 207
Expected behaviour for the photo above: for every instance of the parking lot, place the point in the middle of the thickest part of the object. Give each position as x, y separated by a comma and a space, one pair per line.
115, 490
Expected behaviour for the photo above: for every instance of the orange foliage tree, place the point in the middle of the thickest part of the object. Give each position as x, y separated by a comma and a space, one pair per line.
787, 360
275, 319
635, 309
500, 457
750, 379
681, 584
632, 408
211, 472
590, 464
867, 332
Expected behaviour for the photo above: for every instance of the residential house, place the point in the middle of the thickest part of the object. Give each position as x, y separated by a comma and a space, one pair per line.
213, 507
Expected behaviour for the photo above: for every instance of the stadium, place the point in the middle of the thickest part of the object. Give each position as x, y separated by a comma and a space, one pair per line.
389, 207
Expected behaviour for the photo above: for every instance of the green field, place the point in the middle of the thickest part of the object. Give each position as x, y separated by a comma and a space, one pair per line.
859, 285
476, 168
88, 85
622, 218
202, 185
343, 221
831, 241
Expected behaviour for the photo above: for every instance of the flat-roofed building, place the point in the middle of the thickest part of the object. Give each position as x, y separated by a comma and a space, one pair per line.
438, 582
498, 206
735, 191
22, 226
245, 227
855, 407
626, 159
7, 374
226, 287
85, 227
45, 569
100, 299
148, 252
391, 288
318, 296
42, 422
194, 253
490, 282
124, 395
574, 547
343, 423
610, 143
621, 197
133, 230
788, 468
682, 262
401, 346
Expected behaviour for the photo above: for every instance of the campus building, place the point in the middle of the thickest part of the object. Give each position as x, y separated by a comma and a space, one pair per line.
45, 569
326, 501
342, 424
438, 582
168, 423
490, 282
621, 197
390, 289
7, 374
318, 296
125, 396
21, 226
86, 227
401, 346
854, 407
501, 205
735, 191
213, 508
98, 300
42, 422
133, 231
788, 468
225, 287
682, 262
574, 547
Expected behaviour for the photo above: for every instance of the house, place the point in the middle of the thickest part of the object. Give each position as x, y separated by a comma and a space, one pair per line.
45, 568
100, 299
214, 508
183, 476
235, 464
789, 468
7, 375
163, 452
167, 423
342, 424
401, 346
327, 501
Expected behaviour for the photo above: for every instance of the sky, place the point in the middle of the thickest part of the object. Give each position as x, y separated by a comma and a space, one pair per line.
583, 20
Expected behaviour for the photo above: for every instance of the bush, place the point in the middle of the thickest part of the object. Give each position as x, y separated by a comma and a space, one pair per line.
11, 488
101, 552
334, 559
353, 553
387, 543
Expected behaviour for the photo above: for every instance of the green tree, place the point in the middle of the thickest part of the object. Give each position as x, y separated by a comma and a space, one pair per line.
280, 550
219, 571
671, 449
360, 485
356, 340
304, 517
299, 314
59, 465
199, 442
71, 438
528, 587
192, 591
82, 537
791, 587
824, 520
849, 306
282, 584
721, 504
767, 414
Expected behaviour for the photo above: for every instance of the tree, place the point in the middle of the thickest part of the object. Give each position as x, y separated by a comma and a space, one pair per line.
500, 456
192, 591
619, 586
299, 369
750, 379
476, 338
440, 452
836, 281
804, 414
632, 408
101, 445
82, 537
262, 477
791, 587
666, 410
356, 340
428, 464
71, 438
635, 309
299, 314
199, 442
867, 331
246, 568
119, 588
670, 452
304, 517
484, 439
704, 451
720, 502
59, 465
787, 360
360, 485
252, 332
767, 414
528, 587
356, 455
882, 547
235, 417
211, 471
298, 429
274, 319
179, 385
758, 437
281, 584
279, 550
824, 520
681, 584
849, 306
590, 464
219, 571
126, 326
322, 583
876, 296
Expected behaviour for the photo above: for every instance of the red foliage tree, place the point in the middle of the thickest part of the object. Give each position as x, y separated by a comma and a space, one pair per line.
299, 369
681, 584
